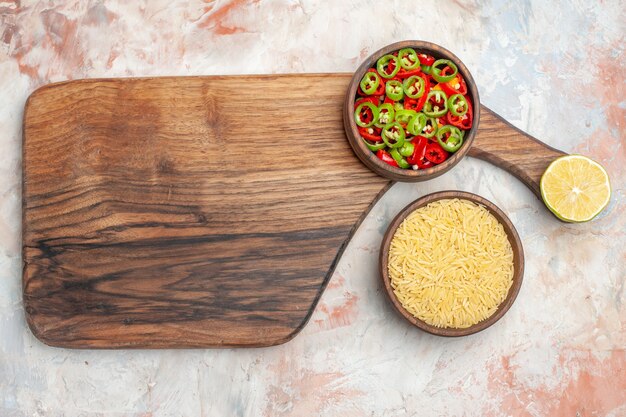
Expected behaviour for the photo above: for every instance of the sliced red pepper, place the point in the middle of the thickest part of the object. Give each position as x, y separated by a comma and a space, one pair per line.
375, 93
373, 100
422, 101
411, 104
435, 153
464, 122
385, 156
372, 137
402, 73
419, 153
388, 100
424, 163
426, 59
450, 87
380, 90
391, 67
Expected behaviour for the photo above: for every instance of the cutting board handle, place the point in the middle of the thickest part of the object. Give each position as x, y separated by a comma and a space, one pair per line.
504, 145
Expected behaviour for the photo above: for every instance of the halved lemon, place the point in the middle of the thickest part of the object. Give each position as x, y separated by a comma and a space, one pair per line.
575, 188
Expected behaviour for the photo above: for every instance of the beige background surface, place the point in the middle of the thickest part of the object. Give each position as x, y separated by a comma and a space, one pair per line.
554, 69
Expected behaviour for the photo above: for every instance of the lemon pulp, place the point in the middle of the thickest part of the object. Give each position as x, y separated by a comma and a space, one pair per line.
575, 188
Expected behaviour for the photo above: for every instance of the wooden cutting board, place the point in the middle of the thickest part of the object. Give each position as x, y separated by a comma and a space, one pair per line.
198, 211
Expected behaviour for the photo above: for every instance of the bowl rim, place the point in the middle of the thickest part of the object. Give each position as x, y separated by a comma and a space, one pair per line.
518, 262
367, 156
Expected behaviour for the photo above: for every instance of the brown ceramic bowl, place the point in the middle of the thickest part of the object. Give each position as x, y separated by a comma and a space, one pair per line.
368, 157
518, 262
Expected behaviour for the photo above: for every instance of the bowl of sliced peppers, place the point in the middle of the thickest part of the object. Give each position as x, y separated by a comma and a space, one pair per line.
411, 111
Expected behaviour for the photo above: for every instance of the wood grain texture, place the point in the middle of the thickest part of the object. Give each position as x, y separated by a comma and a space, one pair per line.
502, 144
518, 263
185, 212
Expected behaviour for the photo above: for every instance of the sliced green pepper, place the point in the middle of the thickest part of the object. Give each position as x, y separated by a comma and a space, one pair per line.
404, 117
426, 69
436, 110
430, 128
386, 114
408, 58
435, 71
388, 66
407, 149
394, 90
398, 106
416, 126
402, 163
449, 138
414, 86
362, 117
369, 82
393, 135
456, 102
375, 146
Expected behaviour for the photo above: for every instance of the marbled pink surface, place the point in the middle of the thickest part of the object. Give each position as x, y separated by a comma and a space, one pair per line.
554, 69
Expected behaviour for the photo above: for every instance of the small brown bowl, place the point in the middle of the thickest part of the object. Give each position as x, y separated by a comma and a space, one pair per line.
368, 157
518, 262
